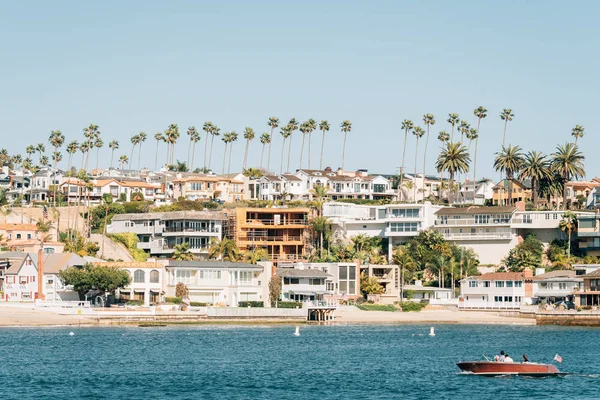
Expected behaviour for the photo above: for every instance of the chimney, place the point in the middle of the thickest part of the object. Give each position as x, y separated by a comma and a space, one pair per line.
40, 268
527, 275
520, 205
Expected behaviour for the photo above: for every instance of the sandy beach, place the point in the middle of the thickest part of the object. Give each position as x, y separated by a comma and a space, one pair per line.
25, 316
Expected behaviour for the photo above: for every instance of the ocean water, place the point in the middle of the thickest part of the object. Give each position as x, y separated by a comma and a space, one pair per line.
328, 362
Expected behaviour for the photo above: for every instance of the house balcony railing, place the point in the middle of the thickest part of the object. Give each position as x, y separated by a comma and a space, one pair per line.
179, 229
271, 238
478, 236
286, 257
276, 222
472, 222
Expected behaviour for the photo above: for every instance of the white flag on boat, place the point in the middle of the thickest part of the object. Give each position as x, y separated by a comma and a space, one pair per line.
558, 358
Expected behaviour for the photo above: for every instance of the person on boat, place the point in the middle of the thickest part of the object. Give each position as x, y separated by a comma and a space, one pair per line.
525, 359
500, 358
508, 359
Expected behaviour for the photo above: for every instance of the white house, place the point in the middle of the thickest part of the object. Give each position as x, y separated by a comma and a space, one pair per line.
147, 279
341, 283
20, 278
219, 282
475, 193
556, 286
303, 284
496, 290
54, 287
418, 292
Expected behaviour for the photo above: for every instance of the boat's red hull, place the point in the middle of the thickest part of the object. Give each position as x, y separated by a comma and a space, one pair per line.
492, 368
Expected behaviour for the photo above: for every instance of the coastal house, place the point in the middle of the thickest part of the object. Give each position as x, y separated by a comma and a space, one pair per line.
477, 193
207, 187
419, 187
27, 238
160, 232
218, 282
589, 294
588, 233
283, 232
388, 276
555, 286
147, 281
54, 287
433, 294
302, 284
520, 192
274, 187
20, 278
345, 184
496, 290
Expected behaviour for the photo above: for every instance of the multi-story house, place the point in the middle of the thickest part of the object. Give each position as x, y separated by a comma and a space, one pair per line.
275, 187
555, 286
283, 232
589, 294
54, 287
160, 232
477, 193
520, 192
207, 187
19, 186
588, 233
301, 284
20, 278
76, 191
219, 283
388, 276
496, 290
146, 284
395, 223
419, 187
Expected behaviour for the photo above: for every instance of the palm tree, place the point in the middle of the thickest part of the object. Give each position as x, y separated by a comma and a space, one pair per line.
273, 123
91, 133
304, 127
158, 136
463, 128
324, 127
98, 144
195, 139
207, 128
135, 139
535, 167
418, 132
568, 162
577, 132
248, 135
428, 120
312, 125
480, 113
506, 115
346, 127
123, 160
265, 139
320, 225
113, 145
407, 125
255, 255
452, 120
293, 126
41, 149
172, 135
234, 138
453, 159
443, 137
182, 252
142, 138
224, 249
56, 139
190, 132
226, 139
510, 161
214, 131
285, 133
568, 223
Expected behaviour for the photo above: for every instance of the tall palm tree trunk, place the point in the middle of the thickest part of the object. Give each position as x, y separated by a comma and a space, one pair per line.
112, 157
344, 150
230, 150
451, 188
224, 158
139, 157
402, 165
308, 151
131, 158
246, 153
322, 145
193, 156
289, 153
510, 187
269, 156
475, 158
302, 149
262, 154
205, 148
504, 135
189, 152
155, 156
212, 138
282, 153
565, 181
534, 192
168, 153
415, 176
425, 160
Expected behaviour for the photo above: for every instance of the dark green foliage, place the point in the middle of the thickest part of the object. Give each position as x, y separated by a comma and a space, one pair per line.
376, 307
258, 304
105, 279
410, 306
198, 304
289, 304
527, 254
173, 300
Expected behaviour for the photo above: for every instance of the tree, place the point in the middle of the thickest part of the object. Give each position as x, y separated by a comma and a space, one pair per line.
453, 159
312, 125
369, 285
255, 255
428, 120
227, 140
273, 124
418, 132
285, 133
265, 139
444, 138
215, 131
191, 132
509, 160
98, 144
135, 139
233, 138
56, 139
123, 160
506, 115
292, 126
182, 252
568, 162
324, 127
402, 258
181, 290
535, 167
568, 223
320, 226
577, 132
98, 277
527, 254
248, 135
407, 125
452, 120
224, 249
208, 127
158, 136
480, 113
113, 145
346, 127
195, 139
304, 128
274, 290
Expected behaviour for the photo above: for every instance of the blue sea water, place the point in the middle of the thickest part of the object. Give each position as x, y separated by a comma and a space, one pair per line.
328, 362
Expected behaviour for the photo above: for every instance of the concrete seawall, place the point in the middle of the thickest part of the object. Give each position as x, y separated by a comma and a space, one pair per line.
568, 318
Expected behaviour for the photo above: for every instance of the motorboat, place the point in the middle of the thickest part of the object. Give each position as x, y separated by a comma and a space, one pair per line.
498, 368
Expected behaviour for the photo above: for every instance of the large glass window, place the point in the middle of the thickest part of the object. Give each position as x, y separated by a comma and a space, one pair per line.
209, 274
404, 226
184, 276
245, 277
499, 283
473, 284
509, 283
404, 212
154, 276
139, 276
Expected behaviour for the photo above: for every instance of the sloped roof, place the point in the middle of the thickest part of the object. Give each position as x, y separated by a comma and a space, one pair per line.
170, 215
555, 274
593, 274
301, 273
500, 276
18, 227
290, 177
214, 265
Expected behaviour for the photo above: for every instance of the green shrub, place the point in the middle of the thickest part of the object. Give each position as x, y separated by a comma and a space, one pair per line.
376, 307
173, 300
198, 304
251, 304
289, 304
408, 306
135, 303
130, 241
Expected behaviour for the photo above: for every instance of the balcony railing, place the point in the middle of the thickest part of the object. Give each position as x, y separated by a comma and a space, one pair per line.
286, 257
180, 229
477, 236
277, 222
271, 238
471, 222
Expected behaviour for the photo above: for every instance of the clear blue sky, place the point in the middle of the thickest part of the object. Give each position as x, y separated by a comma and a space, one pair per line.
131, 66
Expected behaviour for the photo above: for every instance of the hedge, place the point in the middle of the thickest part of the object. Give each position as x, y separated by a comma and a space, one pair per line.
289, 304
408, 306
251, 304
376, 307
135, 303
198, 304
173, 300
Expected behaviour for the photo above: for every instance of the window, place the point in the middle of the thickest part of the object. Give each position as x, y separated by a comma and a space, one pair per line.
404, 226
518, 283
245, 277
139, 276
330, 286
22, 280
508, 299
291, 281
315, 281
10, 279
18, 236
473, 284
210, 274
486, 283
562, 285
184, 276
509, 283
482, 219
404, 212
154, 276
499, 283
498, 299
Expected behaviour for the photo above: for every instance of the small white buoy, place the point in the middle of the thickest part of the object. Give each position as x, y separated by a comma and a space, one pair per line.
297, 333
71, 333
431, 331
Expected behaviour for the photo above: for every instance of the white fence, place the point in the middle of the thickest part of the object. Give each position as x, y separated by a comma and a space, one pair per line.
489, 305
62, 304
256, 312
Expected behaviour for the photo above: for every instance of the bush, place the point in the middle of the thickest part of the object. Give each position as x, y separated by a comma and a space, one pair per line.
409, 306
289, 304
197, 304
173, 300
135, 303
376, 307
251, 304
130, 241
